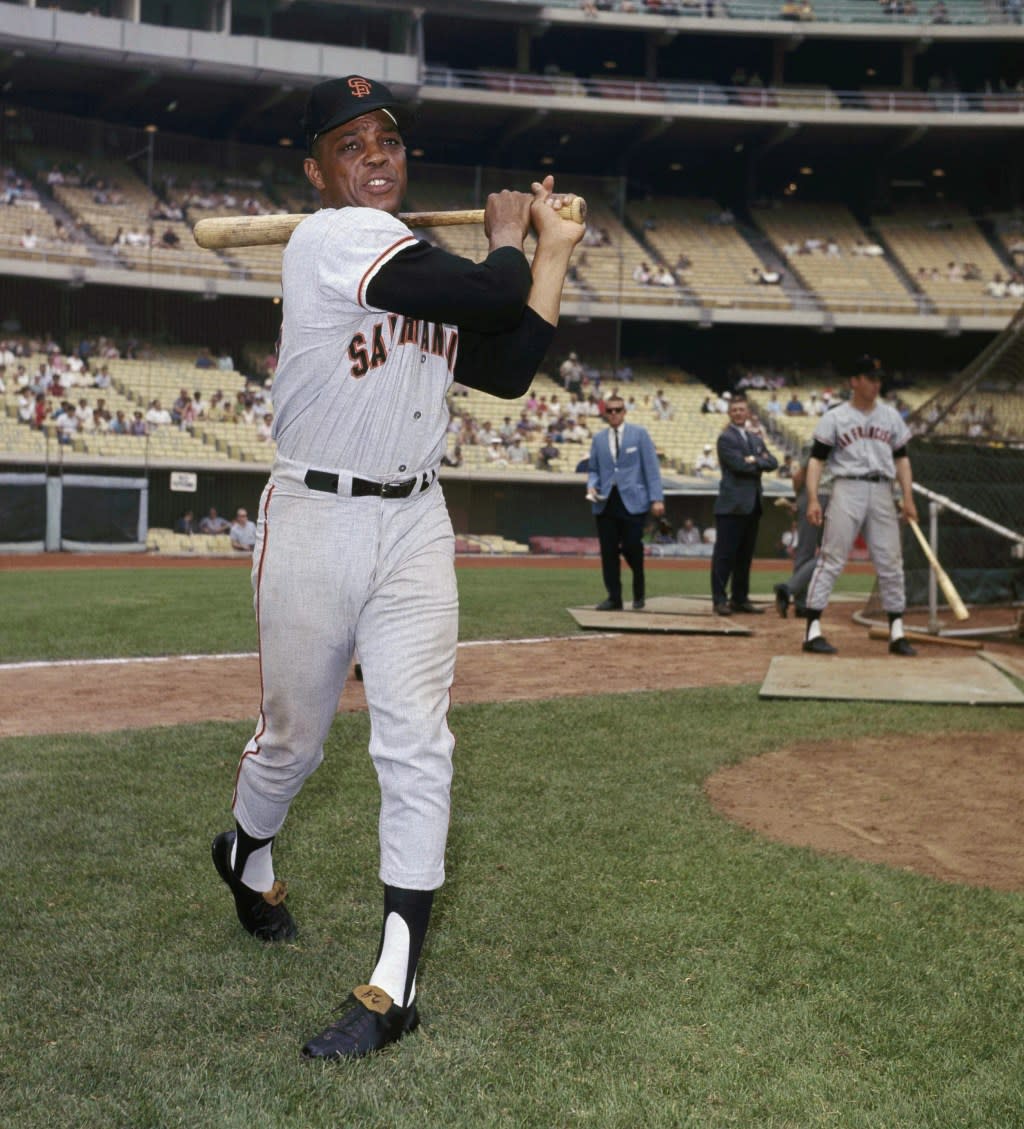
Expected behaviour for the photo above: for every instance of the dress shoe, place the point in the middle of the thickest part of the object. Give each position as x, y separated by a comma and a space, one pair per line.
901, 647
819, 645
265, 916
609, 606
368, 1022
747, 608
781, 600
723, 609
639, 605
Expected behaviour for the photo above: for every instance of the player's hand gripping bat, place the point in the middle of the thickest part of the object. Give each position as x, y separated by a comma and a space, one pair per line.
264, 231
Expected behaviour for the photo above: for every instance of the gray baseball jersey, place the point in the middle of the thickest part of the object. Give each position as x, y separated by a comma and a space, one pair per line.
862, 443
357, 388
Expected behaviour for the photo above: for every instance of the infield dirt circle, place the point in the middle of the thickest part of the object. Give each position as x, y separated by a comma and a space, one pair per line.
951, 807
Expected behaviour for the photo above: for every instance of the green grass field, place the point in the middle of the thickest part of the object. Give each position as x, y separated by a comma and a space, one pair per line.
607, 951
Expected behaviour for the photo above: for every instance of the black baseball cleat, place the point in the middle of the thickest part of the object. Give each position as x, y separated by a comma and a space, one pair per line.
722, 609
819, 645
368, 1022
609, 606
265, 916
639, 605
747, 608
781, 600
901, 647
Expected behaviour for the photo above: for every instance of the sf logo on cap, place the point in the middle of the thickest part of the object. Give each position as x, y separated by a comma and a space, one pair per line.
359, 87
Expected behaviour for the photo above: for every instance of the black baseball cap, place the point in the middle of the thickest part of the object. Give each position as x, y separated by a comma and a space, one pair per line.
865, 365
339, 100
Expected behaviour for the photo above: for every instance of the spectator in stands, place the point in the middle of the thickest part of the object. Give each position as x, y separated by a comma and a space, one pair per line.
786, 467
29, 239
102, 378
688, 533
157, 415
138, 425
265, 428
570, 372
642, 274
548, 453
214, 523
186, 523
170, 239
242, 532
996, 287
40, 411
225, 362
773, 407
939, 13
84, 415
204, 360
517, 452
67, 423
708, 405
661, 406
683, 263
705, 463
663, 277
119, 424
26, 407
178, 407
795, 406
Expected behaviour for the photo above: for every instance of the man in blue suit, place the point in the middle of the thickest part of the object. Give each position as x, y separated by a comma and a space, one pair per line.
623, 483
743, 458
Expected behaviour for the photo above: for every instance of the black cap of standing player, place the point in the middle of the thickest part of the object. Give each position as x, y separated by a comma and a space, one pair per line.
865, 365
339, 100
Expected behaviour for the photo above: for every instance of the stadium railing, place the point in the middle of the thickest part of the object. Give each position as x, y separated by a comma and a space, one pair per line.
816, 100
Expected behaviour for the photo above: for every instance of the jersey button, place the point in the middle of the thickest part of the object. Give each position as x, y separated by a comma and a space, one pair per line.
416, 415
402, 467
423, 358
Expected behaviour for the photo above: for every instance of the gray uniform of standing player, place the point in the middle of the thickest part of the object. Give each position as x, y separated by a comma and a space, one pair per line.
863, 442
355, 550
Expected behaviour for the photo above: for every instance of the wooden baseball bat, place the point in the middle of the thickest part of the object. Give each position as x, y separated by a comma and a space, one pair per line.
948, 589
924, 637
264, 231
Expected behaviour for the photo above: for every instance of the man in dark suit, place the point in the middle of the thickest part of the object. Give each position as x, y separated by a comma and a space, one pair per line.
623, 483
743, 458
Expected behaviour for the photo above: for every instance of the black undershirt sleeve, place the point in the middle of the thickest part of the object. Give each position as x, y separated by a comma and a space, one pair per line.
820, 451
502, 341
504, 364
432, 284
901, 452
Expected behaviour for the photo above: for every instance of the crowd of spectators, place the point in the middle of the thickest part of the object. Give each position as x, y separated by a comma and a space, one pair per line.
46, 396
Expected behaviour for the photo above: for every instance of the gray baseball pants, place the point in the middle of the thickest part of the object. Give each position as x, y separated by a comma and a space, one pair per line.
334, 575
859, 505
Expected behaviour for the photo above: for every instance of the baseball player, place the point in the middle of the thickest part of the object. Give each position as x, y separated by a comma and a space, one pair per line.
864, 444
354, 548
808, 538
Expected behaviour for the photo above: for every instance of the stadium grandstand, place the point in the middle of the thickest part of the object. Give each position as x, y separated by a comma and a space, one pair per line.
765, 201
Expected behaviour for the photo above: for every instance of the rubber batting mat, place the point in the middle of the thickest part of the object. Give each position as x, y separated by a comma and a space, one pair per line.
656, 623
954, 681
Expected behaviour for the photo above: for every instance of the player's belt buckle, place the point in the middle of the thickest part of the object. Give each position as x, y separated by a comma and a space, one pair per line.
397, 489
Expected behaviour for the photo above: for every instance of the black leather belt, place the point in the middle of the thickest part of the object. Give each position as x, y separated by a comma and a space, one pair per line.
864, 477
363, 488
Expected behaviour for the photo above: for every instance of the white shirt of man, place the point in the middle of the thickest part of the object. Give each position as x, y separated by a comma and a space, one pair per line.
243, 533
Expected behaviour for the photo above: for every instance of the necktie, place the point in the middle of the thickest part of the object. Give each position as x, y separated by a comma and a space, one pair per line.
615, 442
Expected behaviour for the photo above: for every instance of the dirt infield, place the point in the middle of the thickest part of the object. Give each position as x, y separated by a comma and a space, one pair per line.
953, 809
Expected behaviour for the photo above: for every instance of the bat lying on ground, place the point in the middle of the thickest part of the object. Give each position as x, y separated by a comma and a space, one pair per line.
947, 586
265, 231
925, 637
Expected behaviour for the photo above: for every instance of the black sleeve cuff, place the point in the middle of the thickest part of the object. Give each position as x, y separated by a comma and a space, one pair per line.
820, 451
